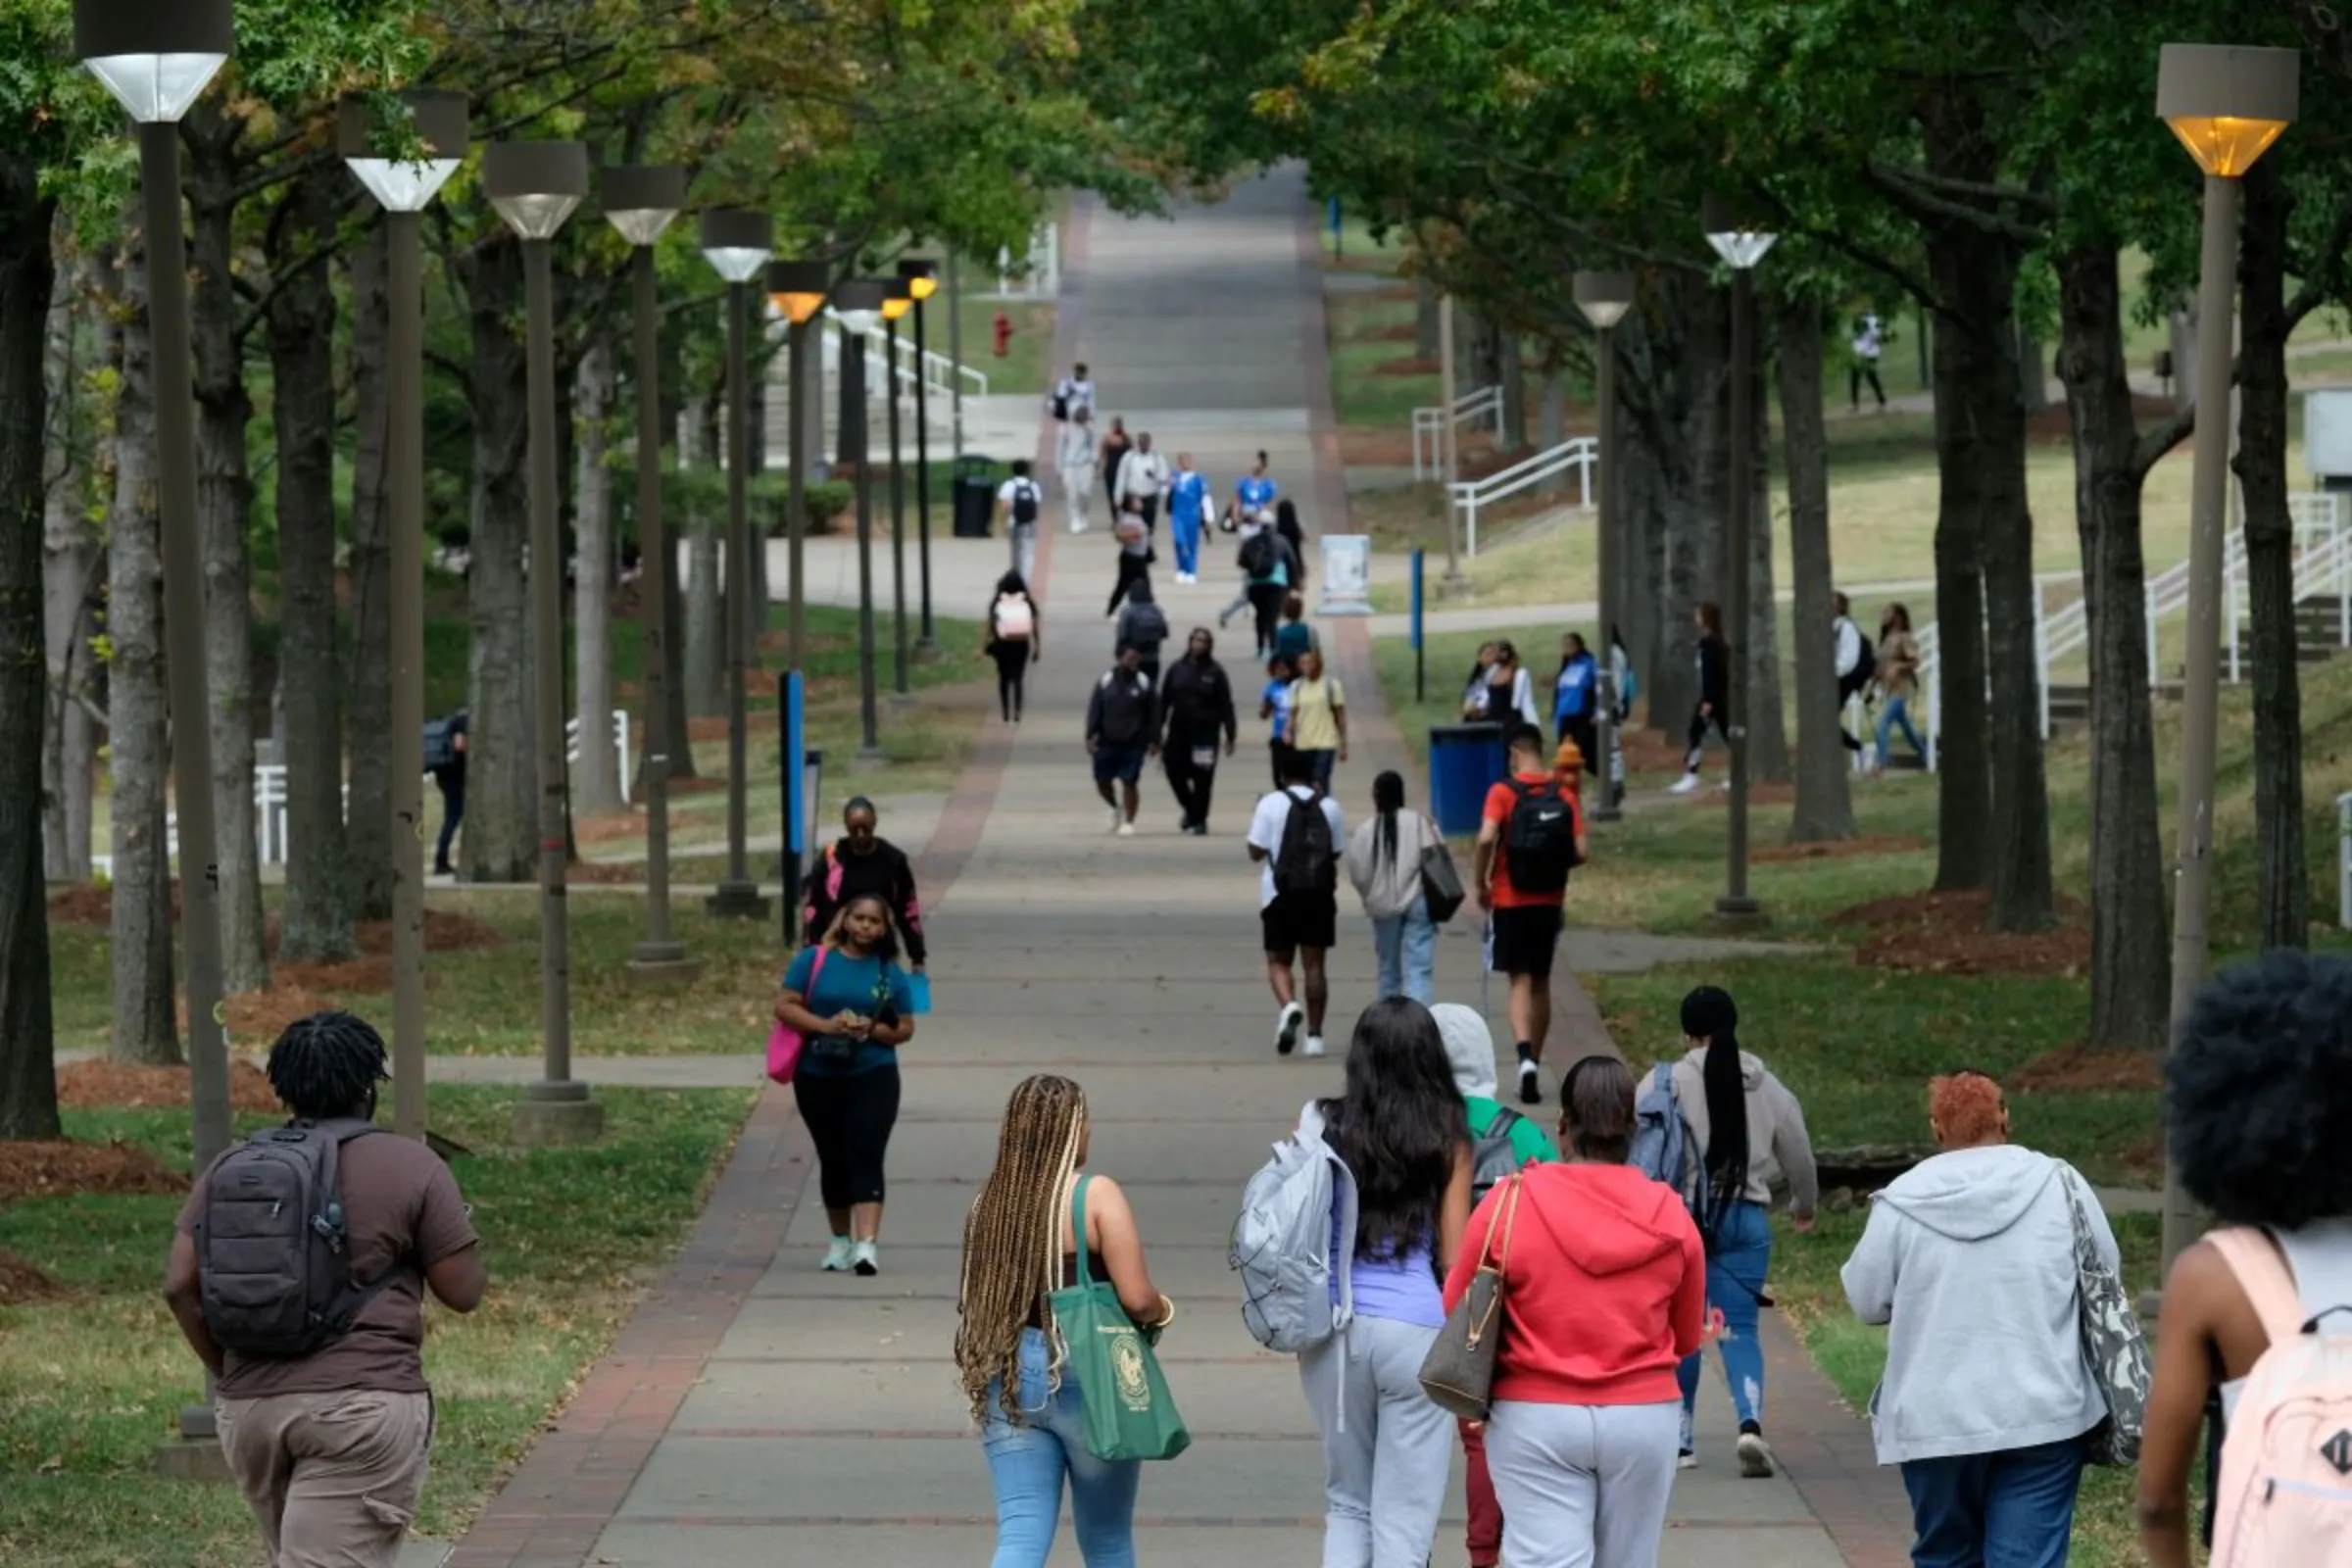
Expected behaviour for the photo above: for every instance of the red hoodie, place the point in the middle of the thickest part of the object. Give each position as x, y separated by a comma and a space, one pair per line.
1607, 1286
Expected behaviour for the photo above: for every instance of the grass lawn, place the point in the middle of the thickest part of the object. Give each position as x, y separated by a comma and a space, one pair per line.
1023, 366
93, 1384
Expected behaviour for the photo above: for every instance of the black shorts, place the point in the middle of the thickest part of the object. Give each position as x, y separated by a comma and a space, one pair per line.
1296, 920
1526, 937
1122, 764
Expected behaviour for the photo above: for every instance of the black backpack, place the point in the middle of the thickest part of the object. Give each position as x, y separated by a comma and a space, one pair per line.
272, 1247
1868, 665
1024, 503
1493, 1158
1304, 862
1540, 842
440, 746
1147, 628
1257, 554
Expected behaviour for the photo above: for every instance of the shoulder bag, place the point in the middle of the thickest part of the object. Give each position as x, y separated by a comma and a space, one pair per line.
1129, 1413
2115, 1349
1458, 1373
785, 1042
1441, 881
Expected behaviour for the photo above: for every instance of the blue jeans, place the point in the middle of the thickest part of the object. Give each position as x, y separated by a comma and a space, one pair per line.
1028, 1462
1408, 945
1736, 1273
1895, 712
2010, 1509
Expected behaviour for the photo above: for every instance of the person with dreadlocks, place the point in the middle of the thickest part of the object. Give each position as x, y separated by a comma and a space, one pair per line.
331, 1447
1746, 1124
1018, 1248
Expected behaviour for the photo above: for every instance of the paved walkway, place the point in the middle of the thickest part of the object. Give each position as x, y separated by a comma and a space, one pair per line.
756, 1411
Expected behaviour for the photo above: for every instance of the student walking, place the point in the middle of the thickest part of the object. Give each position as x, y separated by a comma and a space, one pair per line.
849, 999
1135, 554
445, 759
1142, 626
1854, 662
1274, 707
329, 1436
1116, 444
1747, 1127
1122, 727
1399, 1129
1714, 694
1020, 502
1969, 1258
1576, 696
1196, 707
1505, 691
1531, 835
1295, 839
1142, 480
1025, 1395
1189, 511
861, 862
1318, 719
1073, 395
1604, 1276
1015, 640
1870, 341
1293, 544
1629, 686
1384, 862
1297, 634
1897, 666
1265, 575
1501, 1142
1074, 459
1253, 497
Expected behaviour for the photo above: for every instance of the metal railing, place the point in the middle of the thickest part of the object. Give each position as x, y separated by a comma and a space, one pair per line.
1582, 455
1429, 428
939, 372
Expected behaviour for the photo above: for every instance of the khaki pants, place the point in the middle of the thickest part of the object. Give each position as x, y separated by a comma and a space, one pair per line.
333, 1478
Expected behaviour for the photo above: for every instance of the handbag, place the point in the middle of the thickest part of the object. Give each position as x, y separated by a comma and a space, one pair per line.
785, 1042
2114, 1347
1129, 1413
1458, 1373
1441, 881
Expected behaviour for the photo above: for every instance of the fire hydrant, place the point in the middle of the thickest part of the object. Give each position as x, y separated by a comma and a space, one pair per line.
1003, 329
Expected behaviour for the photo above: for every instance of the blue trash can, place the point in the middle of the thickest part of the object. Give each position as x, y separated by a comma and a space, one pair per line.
1465, 761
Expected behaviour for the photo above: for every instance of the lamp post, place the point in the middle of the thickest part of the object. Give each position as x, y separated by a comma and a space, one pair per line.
1452, 458
859, 305
2226, 105
534, 186
955, 356
736, 243
798, 289
641, 202
432, 123
897, 300
1604, 298
1742, 247
921, 278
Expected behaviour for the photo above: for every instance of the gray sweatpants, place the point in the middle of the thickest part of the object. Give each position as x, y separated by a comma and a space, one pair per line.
1583, 1486
1388, 1453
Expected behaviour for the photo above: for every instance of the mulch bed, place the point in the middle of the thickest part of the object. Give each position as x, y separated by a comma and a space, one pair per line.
1944, 933
2081, 1067
23, 1284
445, 931
263, 1015
128, 1088
1842, 849
600, 871
60, 1169
605, 829
1410, 364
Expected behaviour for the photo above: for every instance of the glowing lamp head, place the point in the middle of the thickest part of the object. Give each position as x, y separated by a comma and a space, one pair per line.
2226, 105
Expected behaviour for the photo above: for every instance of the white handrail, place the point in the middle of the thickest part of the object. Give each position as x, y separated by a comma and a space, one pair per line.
1582, 454
1429, 428
939, 372
620, 740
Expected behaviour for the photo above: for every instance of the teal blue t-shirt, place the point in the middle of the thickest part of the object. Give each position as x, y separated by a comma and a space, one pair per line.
847, 985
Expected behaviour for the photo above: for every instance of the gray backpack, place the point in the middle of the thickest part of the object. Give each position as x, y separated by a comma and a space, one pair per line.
1493, 1157
1282, 1243
272, 1247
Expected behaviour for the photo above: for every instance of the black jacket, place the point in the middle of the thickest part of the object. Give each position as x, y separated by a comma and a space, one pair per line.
1197, 704
1714, 675
1124, 709
884, 872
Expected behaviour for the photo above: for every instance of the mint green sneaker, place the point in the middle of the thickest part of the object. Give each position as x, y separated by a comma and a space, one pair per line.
837, 1255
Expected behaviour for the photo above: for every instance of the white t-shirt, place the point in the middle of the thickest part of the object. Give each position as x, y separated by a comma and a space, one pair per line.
1076, 394
1867, 342
1010, 491
1849, 647
1266, 824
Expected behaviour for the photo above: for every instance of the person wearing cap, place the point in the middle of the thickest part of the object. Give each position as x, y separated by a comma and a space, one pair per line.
1568, 768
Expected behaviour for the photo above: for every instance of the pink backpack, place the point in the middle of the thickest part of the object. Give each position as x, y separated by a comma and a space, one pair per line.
2286, 1490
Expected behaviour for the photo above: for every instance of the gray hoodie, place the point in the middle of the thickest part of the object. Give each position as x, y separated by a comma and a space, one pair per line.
1970, 1259
1777, 1146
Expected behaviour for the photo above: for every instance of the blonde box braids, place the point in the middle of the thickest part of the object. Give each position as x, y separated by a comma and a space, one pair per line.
1013, 1241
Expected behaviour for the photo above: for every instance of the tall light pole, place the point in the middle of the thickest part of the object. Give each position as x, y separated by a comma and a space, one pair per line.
796, 289
955, 356
641, 202
534, 186
1604, 298
920, 274
404, 151
858, 306
737, 244
1452, 464
1742, 247
897, 300
2226, 106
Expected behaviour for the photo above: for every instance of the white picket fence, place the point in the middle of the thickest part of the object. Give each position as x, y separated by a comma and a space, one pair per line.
1483, 405
1581, 456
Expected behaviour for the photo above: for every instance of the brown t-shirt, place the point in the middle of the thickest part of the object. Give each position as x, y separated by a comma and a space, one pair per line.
401, 1207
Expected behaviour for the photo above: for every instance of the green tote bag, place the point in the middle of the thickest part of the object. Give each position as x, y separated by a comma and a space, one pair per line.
1129, 1411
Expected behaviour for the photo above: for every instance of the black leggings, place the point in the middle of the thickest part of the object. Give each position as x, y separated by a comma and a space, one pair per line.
1699, 720
1265, 599
1012, 674
1849, 688
1132, 569
850, 1119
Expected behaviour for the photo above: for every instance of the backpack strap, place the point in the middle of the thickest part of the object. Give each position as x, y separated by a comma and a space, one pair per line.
2253, 1259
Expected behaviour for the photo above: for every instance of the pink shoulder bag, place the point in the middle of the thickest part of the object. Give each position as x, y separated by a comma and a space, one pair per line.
784, 1042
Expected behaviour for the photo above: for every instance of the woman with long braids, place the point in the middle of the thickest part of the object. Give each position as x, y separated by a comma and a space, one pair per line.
1746, 1124
854, 1006
1020, 1247
1384, 861
1714, 704
1404, 1133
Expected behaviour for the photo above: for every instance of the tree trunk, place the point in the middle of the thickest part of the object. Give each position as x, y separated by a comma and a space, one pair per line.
69, 554
2033, 380
2281, 879
1825, 807
367, 819
224, 514
27, 1036
756, 449
705, 671
145, 1025
1675, 398
315, 920
2180, 328
1425, 319
1514, 367
1767, 714
501, 796
2129, 948
1551, 428
595, 780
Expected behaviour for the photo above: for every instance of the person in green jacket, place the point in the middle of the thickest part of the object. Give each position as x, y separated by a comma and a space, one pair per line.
1470, 1048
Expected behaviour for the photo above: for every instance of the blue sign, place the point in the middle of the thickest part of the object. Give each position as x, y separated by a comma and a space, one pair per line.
798, 807
1419, 557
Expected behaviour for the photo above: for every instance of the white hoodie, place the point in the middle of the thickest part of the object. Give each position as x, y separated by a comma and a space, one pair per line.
1970, 1259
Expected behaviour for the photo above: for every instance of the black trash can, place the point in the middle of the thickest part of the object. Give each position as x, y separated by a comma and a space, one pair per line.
975, 496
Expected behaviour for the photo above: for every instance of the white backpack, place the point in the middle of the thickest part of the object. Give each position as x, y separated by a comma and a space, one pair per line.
1014, 622
1282, 1243
2284, 1496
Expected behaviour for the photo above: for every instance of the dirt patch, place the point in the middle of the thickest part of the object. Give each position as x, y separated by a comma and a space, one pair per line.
610, 874
265, 1014
607, 828
1393, 332
23, 1284
445, 931
702, 785
60, 1169
107, 1083
1944, 933
1410, 364
2081, 1067
1842, 849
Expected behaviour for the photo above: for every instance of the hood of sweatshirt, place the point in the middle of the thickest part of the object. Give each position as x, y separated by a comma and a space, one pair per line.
1972, 1193
1469, 1047
1606, 1219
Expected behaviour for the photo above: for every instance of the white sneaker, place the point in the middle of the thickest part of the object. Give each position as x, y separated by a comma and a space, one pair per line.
1286, 1025
837, 1255
1755, 1456
865, 1258
1112, 818
1685, 785
1686, 1460
1126, 830
1314, 1044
